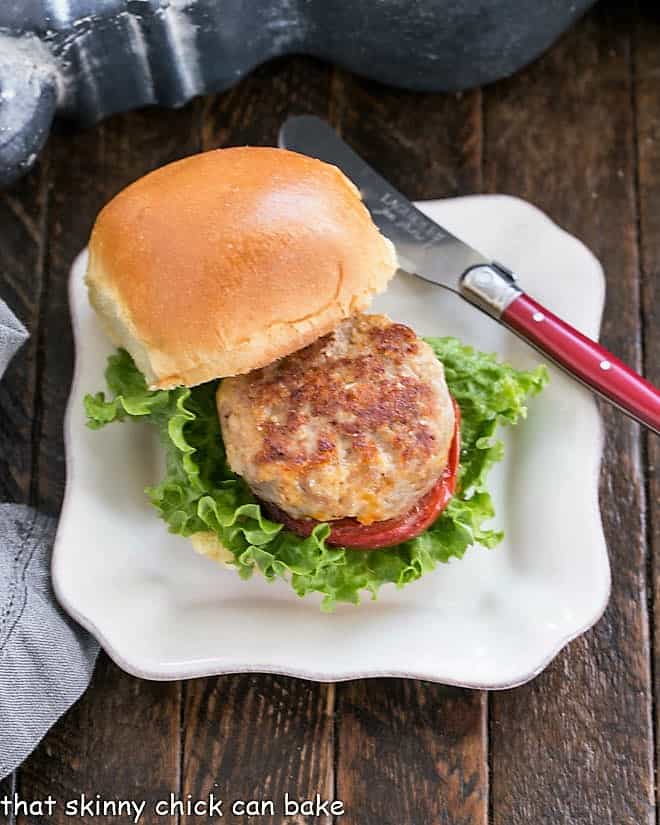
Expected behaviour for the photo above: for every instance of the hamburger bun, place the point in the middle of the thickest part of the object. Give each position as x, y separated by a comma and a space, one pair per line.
221, 263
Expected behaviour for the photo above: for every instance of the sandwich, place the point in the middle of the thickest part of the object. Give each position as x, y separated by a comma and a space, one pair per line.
305, 439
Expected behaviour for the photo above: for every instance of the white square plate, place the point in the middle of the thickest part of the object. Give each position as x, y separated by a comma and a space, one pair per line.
491, 620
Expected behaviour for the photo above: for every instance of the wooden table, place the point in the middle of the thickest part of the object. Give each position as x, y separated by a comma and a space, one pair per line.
578, 133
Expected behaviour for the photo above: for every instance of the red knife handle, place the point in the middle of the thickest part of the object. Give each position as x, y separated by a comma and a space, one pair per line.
585, 359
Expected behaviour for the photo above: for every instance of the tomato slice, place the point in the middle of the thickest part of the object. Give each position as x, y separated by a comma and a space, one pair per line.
348, 532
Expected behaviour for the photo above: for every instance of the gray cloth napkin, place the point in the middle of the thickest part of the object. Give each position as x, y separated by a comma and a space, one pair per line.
46, 659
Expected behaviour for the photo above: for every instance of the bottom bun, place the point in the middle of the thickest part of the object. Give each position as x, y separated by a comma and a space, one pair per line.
208, 544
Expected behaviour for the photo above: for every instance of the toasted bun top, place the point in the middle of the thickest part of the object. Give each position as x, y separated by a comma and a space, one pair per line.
223, 262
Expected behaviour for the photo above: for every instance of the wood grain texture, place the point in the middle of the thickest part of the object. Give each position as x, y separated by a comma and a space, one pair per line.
411, 752
575, 745
257, 737
23, 222
122, 739
647, 105
253, 111
429, 145
7, 789
23, 211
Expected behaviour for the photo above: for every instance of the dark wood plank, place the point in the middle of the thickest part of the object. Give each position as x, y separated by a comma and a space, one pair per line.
23, 222
255, 737
647, 99
7, 790
252, 112
122, 739
411, 752
408, 751
429, 145
23, 210
576, 744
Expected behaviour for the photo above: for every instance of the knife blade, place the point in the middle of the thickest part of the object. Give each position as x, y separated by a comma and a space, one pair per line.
429, 251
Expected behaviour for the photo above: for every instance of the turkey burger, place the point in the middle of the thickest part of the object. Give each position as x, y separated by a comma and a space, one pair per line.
299, 431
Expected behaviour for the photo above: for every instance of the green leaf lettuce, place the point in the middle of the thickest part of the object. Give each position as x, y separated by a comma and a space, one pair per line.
199, 493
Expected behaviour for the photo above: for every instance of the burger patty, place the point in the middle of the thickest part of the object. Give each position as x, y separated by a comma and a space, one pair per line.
358, 424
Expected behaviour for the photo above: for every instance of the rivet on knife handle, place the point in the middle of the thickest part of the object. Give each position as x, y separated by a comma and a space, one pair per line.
493, 289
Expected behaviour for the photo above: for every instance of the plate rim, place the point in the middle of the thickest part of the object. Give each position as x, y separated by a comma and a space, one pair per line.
215, 667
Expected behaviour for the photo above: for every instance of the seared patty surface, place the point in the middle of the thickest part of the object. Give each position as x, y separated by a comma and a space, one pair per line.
357, 424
